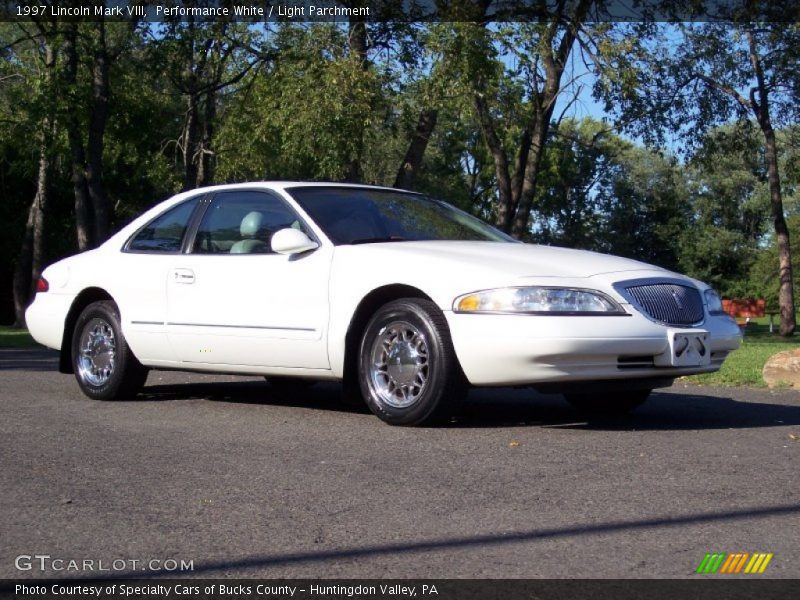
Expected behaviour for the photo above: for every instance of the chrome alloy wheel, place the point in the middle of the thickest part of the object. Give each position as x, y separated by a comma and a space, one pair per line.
399, 364
97, 352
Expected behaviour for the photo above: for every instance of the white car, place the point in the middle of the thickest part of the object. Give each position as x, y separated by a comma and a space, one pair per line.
404, 298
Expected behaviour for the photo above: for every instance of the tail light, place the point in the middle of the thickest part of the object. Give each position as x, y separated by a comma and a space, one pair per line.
42, 285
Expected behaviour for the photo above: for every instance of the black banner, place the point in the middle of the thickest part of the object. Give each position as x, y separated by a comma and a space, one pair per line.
402, 589
273, 11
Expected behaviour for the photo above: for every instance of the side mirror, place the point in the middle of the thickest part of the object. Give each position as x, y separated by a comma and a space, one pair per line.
292, 241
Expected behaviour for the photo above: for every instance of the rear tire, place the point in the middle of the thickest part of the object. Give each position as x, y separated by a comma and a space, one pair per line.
407, 369
611, 404
104, 365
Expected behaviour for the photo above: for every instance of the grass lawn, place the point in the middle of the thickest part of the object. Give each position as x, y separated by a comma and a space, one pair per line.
744, 366
15, 338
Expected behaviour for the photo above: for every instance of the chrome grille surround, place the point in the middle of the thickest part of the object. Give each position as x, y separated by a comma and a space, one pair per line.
666, 301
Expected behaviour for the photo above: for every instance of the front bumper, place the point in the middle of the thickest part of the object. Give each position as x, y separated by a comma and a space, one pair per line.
528, 349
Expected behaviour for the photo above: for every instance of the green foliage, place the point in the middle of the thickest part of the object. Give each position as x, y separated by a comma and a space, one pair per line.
728, 242
309, 118
762, 277
600, 192
729, 209
683, 80
296, 101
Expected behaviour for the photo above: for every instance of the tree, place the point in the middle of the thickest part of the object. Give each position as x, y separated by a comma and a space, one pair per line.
516, 74
86, 115
730, 207
600, 192
581, 158
715, 72
308, 117
42, 43
202, 61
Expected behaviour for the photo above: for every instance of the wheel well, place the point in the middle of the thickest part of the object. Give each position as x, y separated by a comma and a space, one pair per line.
84, 299
366, 308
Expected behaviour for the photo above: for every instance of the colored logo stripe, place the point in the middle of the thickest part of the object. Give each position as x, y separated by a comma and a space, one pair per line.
721, 562
758, 563
711, 563
734, 563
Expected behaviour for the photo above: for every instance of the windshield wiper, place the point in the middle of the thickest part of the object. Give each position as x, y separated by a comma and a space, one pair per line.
385, 238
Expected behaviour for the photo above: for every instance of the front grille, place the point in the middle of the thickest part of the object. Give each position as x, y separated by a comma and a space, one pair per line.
669, 303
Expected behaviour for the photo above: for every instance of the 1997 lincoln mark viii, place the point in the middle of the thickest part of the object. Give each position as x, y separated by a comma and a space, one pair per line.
404, 298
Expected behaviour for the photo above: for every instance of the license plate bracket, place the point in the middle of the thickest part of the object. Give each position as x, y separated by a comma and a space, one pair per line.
687, 348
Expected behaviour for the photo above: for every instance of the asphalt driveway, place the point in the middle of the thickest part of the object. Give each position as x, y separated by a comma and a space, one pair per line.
222, 472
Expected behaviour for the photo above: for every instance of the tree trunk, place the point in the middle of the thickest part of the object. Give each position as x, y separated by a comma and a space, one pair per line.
416, 149
206, 160
555, 61
761, 110
786, 293
190, 137
505, 207
518, 180
22, 269
538, 140
97, 129
29, 262
191, 85
84, 227
358, 45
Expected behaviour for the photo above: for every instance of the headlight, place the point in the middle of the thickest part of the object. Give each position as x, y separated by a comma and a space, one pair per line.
713, 302
538, 300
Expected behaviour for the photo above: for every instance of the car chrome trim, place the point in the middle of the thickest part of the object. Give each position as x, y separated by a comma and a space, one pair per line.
541, 313
147, 322
243, 326
97, 353
400, 366
622, 289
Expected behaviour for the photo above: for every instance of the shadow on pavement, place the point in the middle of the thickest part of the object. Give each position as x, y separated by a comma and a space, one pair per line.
687, 409
322, 396
505, 407
261, 561
28, 359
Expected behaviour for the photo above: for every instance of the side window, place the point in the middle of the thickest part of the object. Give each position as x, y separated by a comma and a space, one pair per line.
243, 223
165, 232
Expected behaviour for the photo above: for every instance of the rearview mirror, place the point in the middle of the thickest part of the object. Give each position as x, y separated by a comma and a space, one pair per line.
292, 241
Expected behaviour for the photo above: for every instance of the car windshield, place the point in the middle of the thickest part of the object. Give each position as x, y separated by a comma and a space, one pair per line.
364, 215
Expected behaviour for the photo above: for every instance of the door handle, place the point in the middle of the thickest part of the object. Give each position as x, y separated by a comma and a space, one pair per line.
183, 275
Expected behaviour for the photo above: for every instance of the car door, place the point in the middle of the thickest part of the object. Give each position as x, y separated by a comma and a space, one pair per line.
140, 280
232, 301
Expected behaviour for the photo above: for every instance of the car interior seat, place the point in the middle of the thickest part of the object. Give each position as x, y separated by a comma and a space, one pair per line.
251, 229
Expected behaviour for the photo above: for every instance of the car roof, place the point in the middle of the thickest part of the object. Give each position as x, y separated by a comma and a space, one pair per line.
287, 185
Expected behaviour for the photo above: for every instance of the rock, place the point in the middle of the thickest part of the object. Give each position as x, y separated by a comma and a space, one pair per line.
783, 369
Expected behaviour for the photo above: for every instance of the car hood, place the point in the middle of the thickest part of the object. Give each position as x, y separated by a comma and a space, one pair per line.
508, 259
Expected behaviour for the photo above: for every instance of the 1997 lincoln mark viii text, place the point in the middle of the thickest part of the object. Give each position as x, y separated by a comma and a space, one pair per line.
404, 298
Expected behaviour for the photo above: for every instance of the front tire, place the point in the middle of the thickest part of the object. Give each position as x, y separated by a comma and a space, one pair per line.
104, 365
408, 371
612, 404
